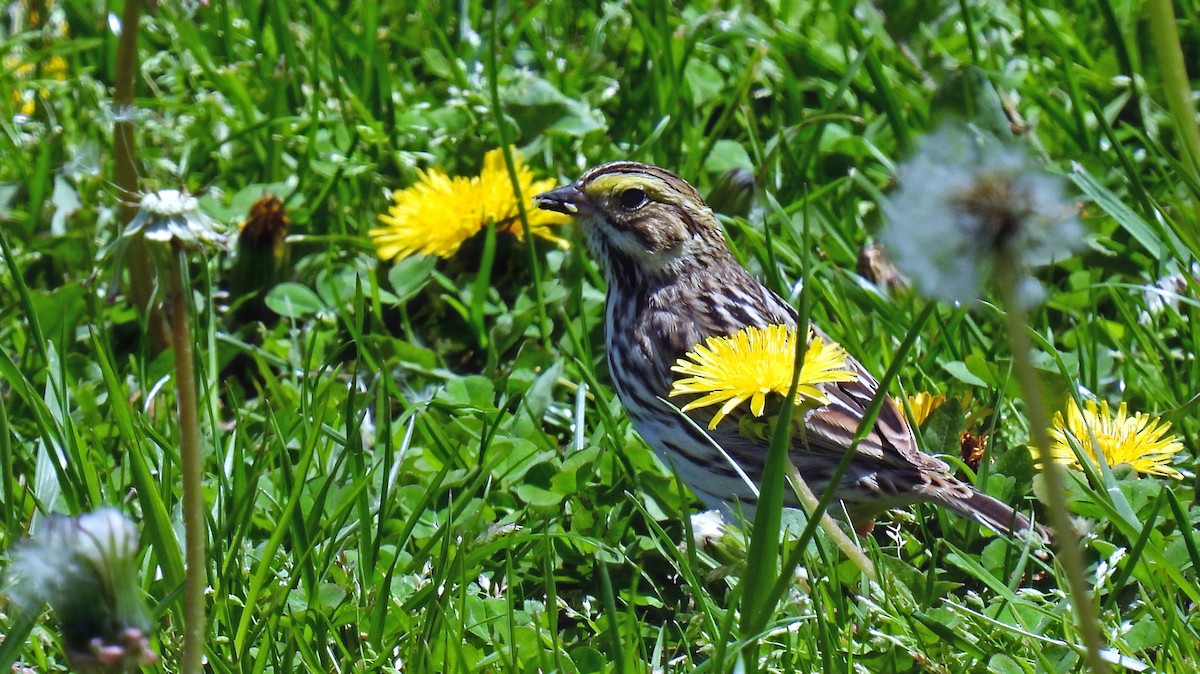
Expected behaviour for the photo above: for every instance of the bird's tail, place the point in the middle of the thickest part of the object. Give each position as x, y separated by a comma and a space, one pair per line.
986, 510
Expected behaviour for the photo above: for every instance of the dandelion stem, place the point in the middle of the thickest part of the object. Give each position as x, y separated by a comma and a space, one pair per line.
1054, 495
844, 543
195, 581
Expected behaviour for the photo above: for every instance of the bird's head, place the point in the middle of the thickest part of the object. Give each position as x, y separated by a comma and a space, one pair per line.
640, 218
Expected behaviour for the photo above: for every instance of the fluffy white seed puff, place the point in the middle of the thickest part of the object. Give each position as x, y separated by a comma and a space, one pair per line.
968, 202
85, 568
169, 215
65, 547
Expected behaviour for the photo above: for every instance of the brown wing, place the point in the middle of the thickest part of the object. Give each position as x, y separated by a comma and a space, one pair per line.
832, 428
743, 301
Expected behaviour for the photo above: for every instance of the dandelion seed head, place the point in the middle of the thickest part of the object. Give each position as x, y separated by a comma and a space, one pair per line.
707, 528
169, 217
966, 202
85, 569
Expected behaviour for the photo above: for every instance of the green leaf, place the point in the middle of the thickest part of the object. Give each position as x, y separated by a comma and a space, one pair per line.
410, 275
337, 287
705, 81
66, 202
960, 371
727, 155
942, 431
1144, 635
589, 660
968, 95
1003, 664
1153, 241
8, 192
59, 310
539, 396
516, 457
437, 63
292, 300
539, 106
474, 392
538, 497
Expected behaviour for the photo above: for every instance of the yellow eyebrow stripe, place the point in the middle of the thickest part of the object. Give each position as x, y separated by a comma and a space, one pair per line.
654, 187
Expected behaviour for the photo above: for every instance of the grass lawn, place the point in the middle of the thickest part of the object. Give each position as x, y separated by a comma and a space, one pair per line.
420, 464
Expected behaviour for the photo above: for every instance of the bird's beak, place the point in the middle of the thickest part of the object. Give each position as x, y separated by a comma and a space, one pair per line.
566, 199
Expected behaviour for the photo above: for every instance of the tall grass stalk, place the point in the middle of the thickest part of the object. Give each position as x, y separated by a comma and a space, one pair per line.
1176, 86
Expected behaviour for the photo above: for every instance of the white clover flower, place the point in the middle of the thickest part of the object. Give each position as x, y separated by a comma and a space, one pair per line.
967, 203
85, 568
1107, 568
1166, 293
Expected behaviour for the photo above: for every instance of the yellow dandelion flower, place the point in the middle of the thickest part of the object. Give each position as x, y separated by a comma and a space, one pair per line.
436, 215
500, 207
25, 100
17, 66
55, 68
1139, 440
754, 362
922, 405
433, 217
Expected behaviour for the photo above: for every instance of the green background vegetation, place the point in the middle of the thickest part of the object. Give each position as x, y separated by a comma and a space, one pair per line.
423, 466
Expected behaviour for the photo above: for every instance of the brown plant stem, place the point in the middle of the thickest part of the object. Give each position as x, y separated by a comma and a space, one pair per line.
195, 580
125, 176
844, 543
1054, 495
124, 148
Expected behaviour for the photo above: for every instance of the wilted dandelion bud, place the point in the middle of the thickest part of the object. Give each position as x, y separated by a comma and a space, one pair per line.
969, 205
85, 569
262, 252
973, 449
734, 193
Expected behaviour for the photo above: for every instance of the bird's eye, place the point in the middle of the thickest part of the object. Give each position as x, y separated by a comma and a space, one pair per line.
633, 199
